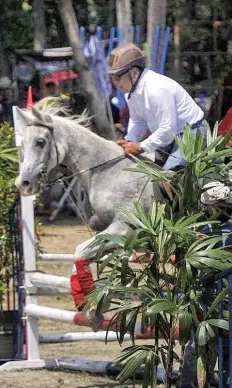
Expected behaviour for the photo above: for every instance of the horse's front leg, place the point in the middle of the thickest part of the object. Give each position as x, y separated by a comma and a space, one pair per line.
82, 282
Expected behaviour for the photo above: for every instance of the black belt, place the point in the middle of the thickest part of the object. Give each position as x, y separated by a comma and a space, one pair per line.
197, 124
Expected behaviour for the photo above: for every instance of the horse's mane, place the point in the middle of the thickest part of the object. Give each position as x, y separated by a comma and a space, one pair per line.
56, 106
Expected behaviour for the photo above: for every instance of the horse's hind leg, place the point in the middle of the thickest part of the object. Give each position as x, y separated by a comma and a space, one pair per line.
82, 282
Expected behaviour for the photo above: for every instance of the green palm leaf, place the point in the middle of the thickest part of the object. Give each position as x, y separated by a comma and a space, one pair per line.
149, 372
219, 298
159, 305
135, 358
185, 324
219, 323
201, 372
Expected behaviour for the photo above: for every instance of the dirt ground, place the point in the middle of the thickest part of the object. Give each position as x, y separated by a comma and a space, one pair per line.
63, 238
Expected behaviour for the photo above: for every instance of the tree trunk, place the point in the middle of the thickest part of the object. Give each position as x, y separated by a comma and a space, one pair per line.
128, 35
124, 19
128, 13
39, 23
96, 106
4, 71
156, 16
120, 14
176, 44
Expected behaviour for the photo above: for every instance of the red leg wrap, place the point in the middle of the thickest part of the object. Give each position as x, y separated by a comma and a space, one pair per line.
76, 291
81, 283
84, 275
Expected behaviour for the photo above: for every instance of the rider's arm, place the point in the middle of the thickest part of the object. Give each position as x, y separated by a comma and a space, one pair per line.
136, 130
137, 127
162, 112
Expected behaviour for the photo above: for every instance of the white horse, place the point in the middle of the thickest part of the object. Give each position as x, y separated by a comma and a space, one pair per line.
50, 140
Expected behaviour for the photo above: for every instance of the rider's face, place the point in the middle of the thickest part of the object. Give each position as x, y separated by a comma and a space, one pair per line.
123, 81
126, 80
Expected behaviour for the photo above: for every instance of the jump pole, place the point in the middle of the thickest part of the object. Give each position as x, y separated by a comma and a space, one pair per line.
54, 338
67, 257
28, 227
73, 317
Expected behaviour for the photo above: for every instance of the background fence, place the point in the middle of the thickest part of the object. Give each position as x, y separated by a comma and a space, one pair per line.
12, 293
221, 285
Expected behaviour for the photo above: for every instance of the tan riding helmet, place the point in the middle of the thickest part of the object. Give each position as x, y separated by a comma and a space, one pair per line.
124, 58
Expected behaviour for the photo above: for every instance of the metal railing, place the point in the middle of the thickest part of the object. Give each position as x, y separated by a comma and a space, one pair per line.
12, 293
214, 285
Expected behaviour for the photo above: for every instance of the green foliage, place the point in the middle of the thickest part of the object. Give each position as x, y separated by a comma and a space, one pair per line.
207, 31
18, 25
197, 31
92, 15
168, 294
8, 194
8, 168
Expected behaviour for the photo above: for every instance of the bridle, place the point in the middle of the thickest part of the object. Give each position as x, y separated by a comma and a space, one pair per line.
49, 126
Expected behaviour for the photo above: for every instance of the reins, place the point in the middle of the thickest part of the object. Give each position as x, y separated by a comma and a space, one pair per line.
65, 177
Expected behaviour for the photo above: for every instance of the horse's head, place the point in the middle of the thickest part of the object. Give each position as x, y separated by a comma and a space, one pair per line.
41, 150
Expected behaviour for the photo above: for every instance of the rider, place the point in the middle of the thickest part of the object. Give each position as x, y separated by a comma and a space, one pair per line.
155, 102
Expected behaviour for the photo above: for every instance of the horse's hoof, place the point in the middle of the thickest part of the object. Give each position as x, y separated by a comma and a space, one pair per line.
96, 224
95, 321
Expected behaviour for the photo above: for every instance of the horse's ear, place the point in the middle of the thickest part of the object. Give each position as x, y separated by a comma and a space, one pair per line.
36, 113
40, 116
23, 115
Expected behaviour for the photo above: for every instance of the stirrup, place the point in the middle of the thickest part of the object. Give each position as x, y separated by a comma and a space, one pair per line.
214, 193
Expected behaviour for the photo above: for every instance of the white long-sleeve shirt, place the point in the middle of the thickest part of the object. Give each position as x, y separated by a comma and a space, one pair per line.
161, 105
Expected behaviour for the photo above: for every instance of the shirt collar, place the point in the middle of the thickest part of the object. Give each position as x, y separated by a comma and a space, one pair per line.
141, 83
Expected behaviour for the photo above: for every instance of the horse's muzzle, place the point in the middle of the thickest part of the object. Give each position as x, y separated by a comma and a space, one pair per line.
25, 186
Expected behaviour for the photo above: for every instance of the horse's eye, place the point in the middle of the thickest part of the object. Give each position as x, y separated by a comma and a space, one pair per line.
40, 143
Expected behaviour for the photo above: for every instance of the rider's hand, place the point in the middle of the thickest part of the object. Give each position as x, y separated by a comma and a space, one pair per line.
121, 142
132, 147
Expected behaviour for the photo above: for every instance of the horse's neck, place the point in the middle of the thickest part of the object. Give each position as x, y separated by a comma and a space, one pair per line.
85, 149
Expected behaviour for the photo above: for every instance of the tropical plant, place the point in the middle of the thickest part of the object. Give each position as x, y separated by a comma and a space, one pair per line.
8, 167
168, 292
8, 193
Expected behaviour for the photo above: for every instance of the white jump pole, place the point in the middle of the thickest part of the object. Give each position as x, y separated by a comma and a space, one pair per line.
50, 313
65, 316
48, 291
69, 257
76, 318
46, 280
27, 213
81, 336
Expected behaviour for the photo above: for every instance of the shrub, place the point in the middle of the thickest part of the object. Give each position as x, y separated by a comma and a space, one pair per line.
8, 195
